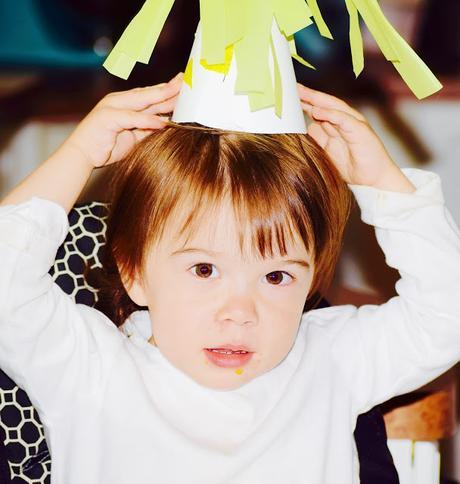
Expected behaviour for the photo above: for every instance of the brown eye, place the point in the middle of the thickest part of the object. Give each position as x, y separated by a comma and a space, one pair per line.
203, 270
276, 277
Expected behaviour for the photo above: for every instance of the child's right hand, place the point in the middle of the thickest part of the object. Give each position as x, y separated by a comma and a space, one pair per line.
121, 119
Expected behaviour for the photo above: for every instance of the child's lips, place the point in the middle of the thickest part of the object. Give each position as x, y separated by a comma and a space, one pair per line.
228, 356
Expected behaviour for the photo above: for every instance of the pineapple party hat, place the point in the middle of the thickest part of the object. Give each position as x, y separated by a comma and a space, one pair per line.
240, 74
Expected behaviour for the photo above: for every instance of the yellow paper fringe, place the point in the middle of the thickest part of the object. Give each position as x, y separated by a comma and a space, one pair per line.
139, 39
221, 68
242, 28
188, 74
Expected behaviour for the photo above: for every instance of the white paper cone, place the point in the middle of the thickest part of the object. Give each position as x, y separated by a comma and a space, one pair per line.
212, 101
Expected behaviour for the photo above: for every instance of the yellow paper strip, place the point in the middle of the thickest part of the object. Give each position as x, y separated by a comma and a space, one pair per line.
157, 13
119, 64
356, 39
296, 56
235, 28
253, 50
262, 100
188, 74
292, 15
412, 69
273, 93
375, 21
320, 23
213, 31
139, 39
221, 68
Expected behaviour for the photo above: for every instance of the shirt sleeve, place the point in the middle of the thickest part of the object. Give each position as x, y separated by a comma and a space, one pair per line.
49, 345
394, 348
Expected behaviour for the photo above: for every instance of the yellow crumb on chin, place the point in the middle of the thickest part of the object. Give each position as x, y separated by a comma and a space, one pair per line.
239, 371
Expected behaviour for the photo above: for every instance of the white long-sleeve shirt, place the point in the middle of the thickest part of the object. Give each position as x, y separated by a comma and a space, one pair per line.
115, 411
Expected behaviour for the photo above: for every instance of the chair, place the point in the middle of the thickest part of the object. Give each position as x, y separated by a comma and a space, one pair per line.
24, 455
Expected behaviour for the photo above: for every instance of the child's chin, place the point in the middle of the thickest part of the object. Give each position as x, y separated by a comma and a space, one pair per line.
231, 382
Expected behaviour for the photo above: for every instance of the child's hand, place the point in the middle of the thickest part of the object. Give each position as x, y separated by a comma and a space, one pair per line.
121, 119
351, 143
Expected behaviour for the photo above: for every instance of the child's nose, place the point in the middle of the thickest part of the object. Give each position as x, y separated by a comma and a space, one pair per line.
238, 308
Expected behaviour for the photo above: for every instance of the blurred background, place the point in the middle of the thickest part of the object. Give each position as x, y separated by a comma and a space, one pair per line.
51, 54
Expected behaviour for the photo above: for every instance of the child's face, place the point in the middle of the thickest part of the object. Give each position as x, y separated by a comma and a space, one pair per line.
210, 295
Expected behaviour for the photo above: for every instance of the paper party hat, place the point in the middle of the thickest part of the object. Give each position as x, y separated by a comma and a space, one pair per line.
240, 74
219, 98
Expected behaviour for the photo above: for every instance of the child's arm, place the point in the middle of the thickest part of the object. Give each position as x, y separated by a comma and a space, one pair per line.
397, 347
105, 136
50, 346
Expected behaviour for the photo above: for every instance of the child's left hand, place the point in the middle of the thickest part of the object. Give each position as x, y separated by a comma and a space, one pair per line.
351, 143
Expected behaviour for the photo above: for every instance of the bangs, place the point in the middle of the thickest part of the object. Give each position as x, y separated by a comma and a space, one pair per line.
243, 172
268, 227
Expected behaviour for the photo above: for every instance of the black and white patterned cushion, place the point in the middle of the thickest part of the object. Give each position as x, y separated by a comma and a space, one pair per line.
82, 245
24, 454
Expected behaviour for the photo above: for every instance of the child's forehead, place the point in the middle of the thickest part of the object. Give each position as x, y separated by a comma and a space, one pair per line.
202, 206
215, 226
218, 229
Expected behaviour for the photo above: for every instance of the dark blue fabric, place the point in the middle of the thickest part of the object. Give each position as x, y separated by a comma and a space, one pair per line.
376, 462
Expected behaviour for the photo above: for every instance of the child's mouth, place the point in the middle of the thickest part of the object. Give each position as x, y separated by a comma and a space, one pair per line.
228, 358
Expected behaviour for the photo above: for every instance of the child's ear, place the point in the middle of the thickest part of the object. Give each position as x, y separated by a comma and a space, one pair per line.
135, 289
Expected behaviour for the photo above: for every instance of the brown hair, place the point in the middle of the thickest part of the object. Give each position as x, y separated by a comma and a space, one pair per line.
279, 185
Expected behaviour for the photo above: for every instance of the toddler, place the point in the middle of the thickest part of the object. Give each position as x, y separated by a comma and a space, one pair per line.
223, 236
